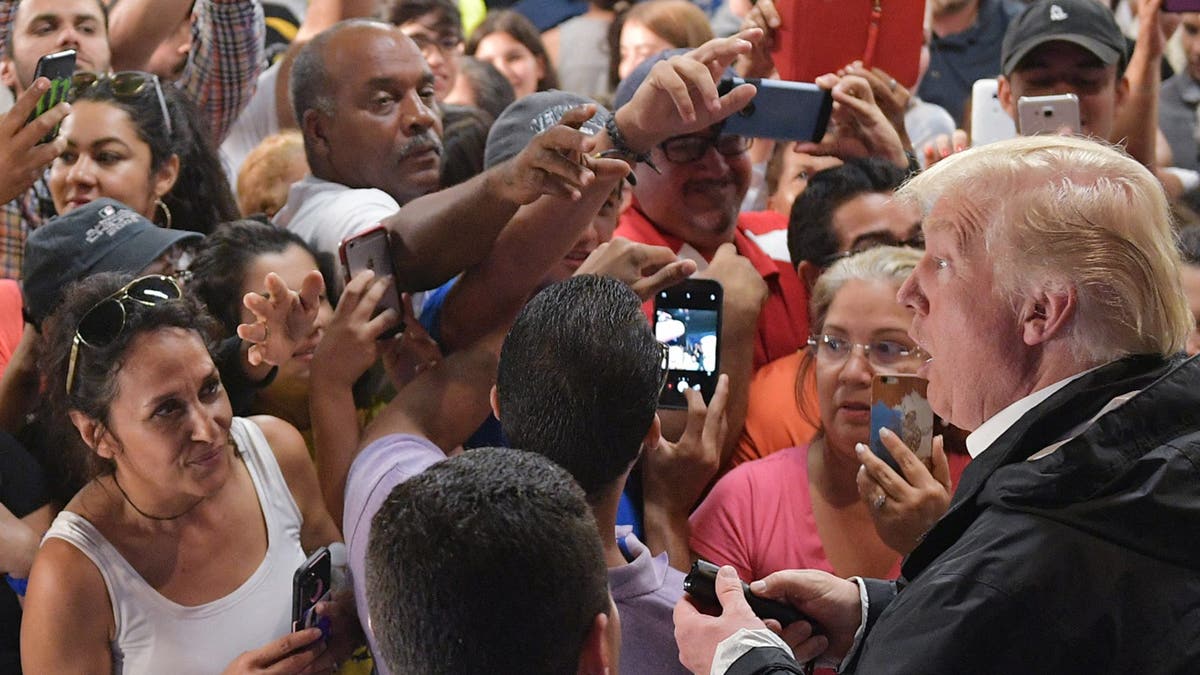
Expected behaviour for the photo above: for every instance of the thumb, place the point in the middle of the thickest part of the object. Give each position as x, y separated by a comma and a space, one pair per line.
730, 593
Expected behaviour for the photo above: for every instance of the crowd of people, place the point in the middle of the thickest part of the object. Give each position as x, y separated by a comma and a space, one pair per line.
199, 390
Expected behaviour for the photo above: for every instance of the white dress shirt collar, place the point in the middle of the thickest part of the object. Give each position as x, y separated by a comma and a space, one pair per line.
987, 433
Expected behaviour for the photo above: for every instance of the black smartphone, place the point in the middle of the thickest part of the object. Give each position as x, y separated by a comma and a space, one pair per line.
371, 250
58, 68
781, 110
687, 321
701, 584
310, 585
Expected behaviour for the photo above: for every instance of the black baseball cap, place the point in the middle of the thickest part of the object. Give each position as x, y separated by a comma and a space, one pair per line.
100, 236
1086, 23
530, 115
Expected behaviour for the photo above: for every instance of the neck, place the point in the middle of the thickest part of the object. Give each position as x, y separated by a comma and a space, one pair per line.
833, 472
160, 511
955, 18
604, 510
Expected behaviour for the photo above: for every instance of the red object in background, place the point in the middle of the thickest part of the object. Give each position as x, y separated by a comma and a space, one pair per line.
822, 36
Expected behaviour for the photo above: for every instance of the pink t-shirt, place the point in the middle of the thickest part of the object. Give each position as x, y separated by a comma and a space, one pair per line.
759, 518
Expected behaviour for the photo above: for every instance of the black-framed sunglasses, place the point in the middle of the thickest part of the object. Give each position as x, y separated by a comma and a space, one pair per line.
875, 240
104, 322
123, 84
685, 149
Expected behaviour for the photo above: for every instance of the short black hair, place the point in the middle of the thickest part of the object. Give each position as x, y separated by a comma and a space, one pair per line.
579, 377
488, 562
810, 228
399, 12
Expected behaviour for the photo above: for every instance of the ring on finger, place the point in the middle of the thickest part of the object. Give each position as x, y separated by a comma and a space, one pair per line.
892, 84
879, 501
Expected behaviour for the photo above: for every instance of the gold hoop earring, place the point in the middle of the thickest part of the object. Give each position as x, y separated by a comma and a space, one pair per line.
160, 204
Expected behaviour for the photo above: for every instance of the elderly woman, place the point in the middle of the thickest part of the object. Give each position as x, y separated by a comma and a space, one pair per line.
178, 555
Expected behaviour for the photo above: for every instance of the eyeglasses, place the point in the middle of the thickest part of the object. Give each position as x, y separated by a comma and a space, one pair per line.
104, 322
685, 149
886, 354
125, 84
447, 44
874, 240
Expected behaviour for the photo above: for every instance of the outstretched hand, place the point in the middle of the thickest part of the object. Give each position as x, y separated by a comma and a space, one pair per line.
644, 268
284, 319
554, 163
22, 160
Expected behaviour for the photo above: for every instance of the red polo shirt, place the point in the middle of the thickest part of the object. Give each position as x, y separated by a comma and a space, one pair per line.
783, 322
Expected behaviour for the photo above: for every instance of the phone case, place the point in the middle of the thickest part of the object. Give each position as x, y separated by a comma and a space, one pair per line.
1047, 114
371, 249
898, 402
781, 110
989, 121
310, 585
821, 36
687, 320
58, 68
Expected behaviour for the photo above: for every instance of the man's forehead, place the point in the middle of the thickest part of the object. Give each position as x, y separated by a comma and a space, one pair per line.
366, 50
28, 10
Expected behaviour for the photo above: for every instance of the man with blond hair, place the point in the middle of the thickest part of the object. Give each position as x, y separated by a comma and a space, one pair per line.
1050, 302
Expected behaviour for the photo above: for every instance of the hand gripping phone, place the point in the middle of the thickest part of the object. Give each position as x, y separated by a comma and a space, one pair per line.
898, 402
781, 110
58, 68
1047, 114
701, 584
371, 250
310, 585
687, 321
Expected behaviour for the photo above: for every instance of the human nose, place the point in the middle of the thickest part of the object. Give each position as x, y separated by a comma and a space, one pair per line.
857, 367
82, 172
418, 117
68, 36
205, 428
910, 295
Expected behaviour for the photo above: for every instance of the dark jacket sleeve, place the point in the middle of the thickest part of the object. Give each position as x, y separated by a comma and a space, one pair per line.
763, 661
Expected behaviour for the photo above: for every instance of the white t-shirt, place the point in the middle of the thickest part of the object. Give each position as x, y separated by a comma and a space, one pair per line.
259, 119
324, 213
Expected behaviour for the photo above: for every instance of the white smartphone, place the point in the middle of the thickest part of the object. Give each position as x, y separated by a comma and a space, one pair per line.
989, 121
1048, 114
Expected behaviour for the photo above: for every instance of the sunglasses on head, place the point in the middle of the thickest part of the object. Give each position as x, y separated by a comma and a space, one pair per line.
104, 322
124, 84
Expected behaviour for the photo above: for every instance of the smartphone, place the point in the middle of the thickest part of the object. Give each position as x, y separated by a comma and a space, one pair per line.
310, 585
371, 250
781, 110
989, 121
1181, 6
687, 321
58, 68
701, 584
898, 402
1047, 114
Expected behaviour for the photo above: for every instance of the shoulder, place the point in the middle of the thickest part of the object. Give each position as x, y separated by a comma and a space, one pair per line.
68, 582
286, 444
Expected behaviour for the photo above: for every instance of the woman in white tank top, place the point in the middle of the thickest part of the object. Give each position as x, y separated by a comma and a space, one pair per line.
178, 556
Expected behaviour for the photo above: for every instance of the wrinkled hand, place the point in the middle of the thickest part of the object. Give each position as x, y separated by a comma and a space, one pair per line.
913, 502
284, 319
22, 160
349, 347
345, 630
675, 474
943, 146
698, 634
644, 268
858, 127
759, 62
300, 652
832, 603
679, 95
554, 162
412, 353
891, 96
744, 288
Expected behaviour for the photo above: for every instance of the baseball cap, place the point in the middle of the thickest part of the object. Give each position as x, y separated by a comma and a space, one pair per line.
1086, 23
100, 236
530, 115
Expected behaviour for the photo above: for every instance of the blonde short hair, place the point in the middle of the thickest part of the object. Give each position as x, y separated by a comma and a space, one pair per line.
1059, 210
266, 174
891, 264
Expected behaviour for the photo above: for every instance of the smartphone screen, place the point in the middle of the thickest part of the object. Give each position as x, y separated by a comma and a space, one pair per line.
784, 111
898, 402
58, 68
687, 321
370, 250
310, 585
1048, 114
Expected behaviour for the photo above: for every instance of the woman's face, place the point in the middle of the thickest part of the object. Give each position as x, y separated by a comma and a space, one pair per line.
292, 265
862, 312
513, 60
168, 427
106, 158
638, 43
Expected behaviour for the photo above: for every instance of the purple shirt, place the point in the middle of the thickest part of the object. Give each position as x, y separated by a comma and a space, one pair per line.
645, 592
381, 466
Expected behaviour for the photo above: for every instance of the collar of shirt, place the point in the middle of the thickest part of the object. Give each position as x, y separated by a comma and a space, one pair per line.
987, 433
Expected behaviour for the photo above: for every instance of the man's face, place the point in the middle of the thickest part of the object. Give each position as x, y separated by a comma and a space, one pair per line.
1064, 68
43, 27
1189, 37
385, 133
874, 218
698, 200
441, 45
960, 319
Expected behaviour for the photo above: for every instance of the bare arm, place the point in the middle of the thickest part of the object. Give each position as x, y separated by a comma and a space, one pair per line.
136, 27
317, 528
68, 619
225, 60
19, 384
1136, 125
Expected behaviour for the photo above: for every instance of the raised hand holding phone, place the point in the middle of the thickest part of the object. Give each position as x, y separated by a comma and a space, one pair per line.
23, 156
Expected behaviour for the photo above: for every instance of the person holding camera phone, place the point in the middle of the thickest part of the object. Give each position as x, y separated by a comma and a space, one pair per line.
178, 554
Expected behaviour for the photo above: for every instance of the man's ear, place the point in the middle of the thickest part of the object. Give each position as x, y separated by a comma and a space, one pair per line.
1122, 90
597, 656
313, 126
1004, 93
494, 397
653, 434
808, 273
1047, 314
94, 434
8, 74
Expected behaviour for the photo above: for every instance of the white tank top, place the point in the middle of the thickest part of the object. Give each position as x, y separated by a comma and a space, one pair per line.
156, 635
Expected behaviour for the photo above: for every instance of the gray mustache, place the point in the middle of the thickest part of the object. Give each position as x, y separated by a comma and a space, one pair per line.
426, 141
